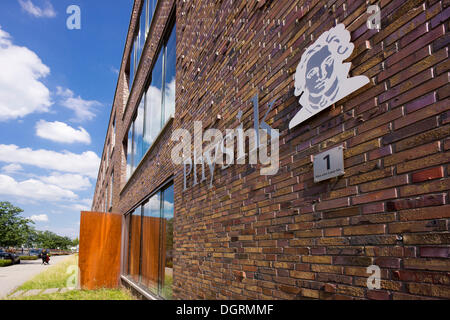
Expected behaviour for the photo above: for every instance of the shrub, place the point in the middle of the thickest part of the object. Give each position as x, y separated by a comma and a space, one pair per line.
5, 263
26, 258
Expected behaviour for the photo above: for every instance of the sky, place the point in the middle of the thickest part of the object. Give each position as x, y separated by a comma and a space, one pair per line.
56, 91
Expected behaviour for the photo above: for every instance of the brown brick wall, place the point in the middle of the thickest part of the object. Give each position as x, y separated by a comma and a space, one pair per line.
284, 236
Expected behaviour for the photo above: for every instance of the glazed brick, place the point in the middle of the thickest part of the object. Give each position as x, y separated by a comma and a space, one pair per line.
417, 44
365, 229
331, 204
423, 138
352, 261
430, 174
375, 196
384, 183
428, 239
378, 295
408, 131
421, 102
425, 213
435, 252
429, 290
435, 109
436, 159
380, 153
417, 226
433, 84
423, 201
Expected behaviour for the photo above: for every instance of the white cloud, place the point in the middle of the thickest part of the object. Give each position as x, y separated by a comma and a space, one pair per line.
61, 132
68, 181
47, 12
39, 218
12, 168
86, 163
33, 189
78, 205
21, 91
115, 70
84, 109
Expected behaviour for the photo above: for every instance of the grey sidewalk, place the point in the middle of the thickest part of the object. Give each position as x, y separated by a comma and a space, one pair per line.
13, 276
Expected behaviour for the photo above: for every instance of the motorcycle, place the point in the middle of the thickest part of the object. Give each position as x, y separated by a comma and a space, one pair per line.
46, 259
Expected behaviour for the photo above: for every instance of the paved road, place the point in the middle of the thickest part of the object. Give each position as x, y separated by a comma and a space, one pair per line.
13, 276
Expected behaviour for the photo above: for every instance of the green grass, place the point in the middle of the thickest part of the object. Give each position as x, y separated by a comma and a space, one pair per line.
103, 294
166, 290
54, 277
5, 263
57, 277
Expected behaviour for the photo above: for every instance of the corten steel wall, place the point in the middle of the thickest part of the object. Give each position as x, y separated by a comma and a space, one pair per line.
284, 236
99, 253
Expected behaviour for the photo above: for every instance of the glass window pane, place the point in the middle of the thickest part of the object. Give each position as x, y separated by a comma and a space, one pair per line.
130, 152
151, 10
170, 76
153, 105
132, 64
150, 243
138, 134
111, 190
167, 243
140, 40
134, 245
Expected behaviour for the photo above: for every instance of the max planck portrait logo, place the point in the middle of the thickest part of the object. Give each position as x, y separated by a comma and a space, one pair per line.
321, 78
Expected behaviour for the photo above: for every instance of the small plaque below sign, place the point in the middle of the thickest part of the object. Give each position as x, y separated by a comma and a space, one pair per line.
329, 164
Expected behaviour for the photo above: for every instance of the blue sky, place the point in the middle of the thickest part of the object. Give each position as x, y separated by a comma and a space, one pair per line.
56, 90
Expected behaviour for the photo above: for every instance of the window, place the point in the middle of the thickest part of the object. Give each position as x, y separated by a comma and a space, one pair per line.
107, 154
113, 138
143, 25
157, 104
134, 245
150, 259
130, 151
111, 190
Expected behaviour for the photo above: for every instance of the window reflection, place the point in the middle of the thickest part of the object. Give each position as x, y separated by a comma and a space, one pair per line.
138, 133
153, 104
130, 151
170, 75
158, 100
167, 248
150, 243
150, 258
135, 245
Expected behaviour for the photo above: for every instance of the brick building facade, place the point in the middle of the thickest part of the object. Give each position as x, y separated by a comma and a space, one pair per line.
284, 236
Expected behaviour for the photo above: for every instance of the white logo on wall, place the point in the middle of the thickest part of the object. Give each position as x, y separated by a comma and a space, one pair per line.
321, 78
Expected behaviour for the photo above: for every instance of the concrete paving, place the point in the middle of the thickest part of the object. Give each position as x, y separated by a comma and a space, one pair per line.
50, 291
14, 276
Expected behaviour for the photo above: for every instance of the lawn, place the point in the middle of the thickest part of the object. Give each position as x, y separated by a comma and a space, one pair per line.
54, 277
102, 294
62, 275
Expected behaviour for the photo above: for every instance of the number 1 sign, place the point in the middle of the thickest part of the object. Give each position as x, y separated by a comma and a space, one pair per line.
329, 164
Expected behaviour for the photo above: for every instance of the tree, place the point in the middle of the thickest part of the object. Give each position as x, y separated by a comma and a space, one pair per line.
50, 240
76, 242
14, 229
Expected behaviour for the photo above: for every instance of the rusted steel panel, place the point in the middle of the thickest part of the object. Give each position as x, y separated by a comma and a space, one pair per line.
99, 253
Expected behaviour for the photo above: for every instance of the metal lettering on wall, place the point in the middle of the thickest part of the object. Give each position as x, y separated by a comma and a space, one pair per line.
329, 164
321, 76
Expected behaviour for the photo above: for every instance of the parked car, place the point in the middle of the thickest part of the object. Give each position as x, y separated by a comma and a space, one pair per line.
35, 252
10, 256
